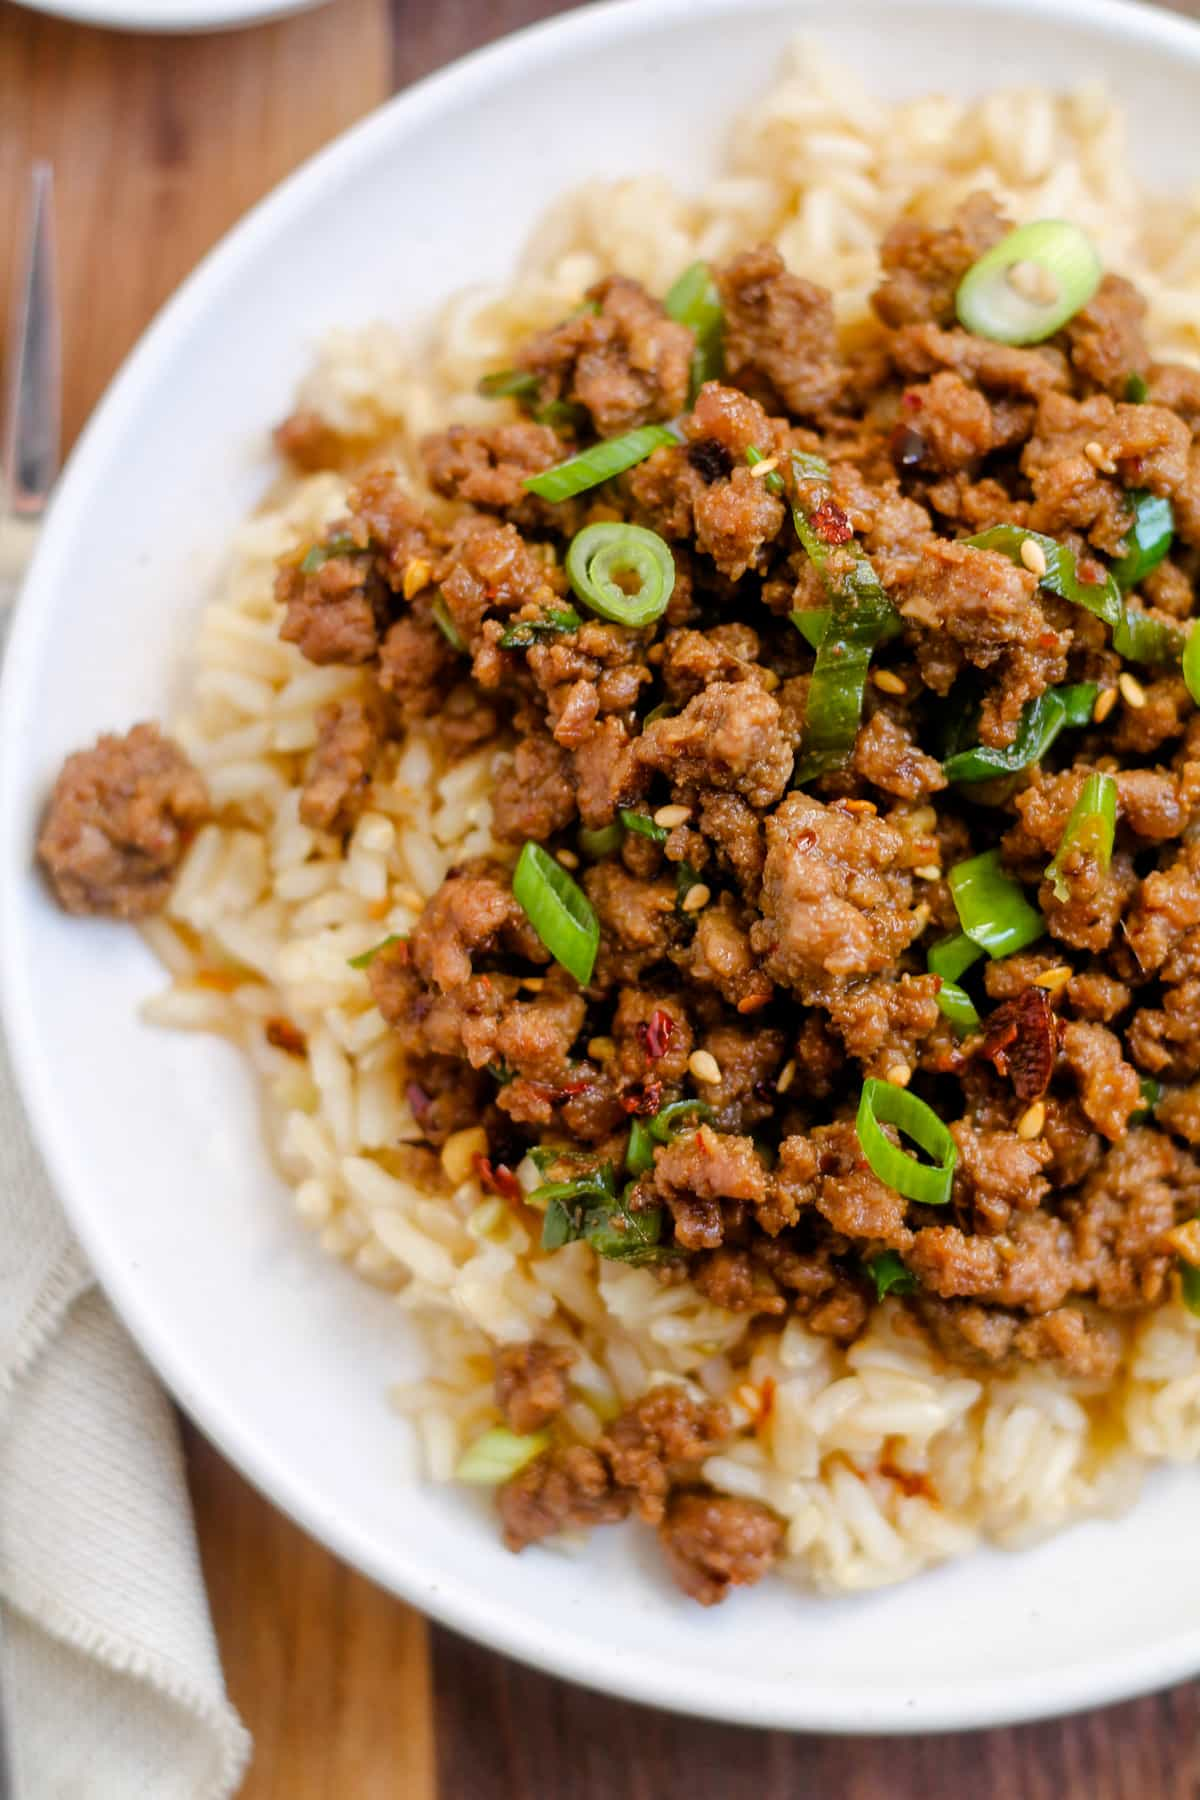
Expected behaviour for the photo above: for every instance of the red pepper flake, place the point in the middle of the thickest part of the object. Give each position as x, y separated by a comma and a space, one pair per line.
498, 1178
805, 839
752, 1003
644, 1099
766, 1402
1020, 1040
911, 1484
1048, 640
911, 401
286, 1037
830, 523
569, 1089
655, 1033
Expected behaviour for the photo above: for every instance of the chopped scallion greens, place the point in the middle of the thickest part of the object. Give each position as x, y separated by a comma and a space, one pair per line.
1041, 721
340, 544
1027, 286
958, 1007
497, 1455
953, 956
639, 1152
559, 911
670, 1119
1151, 1092
884, 1104
1191, 664
1189, 1286
445, 624
772, 480
604, 557
366, 957
599, 463
644, 825
890, 1275
590, 1208
859, 615
693, 300
1089, 832
1136, 389
992, 908
1148, 538
509, 384
531, 631
599, 842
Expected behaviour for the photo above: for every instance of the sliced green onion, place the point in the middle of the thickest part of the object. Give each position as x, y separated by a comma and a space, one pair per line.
1191, 664
509, 384
1189, 1286
1134, 635
445, 624
859, 615
958, 1007
1151, 1092
671, 1119
599, 842
1027, 286
366, 957
992, 909
559, 911
600, 555
890, 1275
531, 631
813, 624
773, 480
693, 300
599, 463
952, 956
342, 543
497, 1456
884, 1104
1148, 538
685, 880
639, 1152
1041, 721
1090, 828
1136, 389
644, 825
561, 415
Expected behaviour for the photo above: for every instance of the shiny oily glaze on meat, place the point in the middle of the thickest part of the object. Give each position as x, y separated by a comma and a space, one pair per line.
766, 950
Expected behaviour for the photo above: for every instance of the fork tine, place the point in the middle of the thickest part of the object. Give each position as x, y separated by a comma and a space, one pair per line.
30, 446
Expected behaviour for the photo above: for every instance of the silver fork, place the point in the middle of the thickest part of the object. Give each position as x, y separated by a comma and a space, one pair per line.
29, 444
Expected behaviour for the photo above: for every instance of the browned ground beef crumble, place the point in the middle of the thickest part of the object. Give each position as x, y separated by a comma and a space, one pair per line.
803, 967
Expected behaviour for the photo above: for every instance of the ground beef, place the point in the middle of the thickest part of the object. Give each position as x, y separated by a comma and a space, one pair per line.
119, 820
486, 466
923, 264
531, 1386
623, 360
336, 612
340, 772
729, 737
779, 342
714, 1542
665, 1433
559, 1490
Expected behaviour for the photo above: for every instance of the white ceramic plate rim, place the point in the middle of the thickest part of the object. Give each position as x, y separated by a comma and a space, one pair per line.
562, 1652
162, 16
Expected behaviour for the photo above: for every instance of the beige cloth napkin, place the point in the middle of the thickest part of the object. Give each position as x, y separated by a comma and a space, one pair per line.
110, 1681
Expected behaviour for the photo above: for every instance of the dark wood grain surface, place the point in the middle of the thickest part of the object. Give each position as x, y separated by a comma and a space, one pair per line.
159, 145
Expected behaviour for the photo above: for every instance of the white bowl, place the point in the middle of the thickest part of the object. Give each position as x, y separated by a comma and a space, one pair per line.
282, 1356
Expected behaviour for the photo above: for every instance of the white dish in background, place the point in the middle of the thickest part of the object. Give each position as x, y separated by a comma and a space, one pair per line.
283, 1357
169, 15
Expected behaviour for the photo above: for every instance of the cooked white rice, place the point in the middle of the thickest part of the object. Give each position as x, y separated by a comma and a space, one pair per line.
881, 1458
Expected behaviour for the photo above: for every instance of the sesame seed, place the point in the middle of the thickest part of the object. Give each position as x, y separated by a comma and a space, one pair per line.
601, 1049
857, 806
671, 816
1106, 699
535, 983
567, 858
921, 916
752, 1003
786, 1076
1055, 978
888, 683
899, 1074
1033, 556
1029, 1125
705, 1067
764, 467
768, 680
1033, 281
415, 576
1132, 691
698, 895
928, 872
1099, 458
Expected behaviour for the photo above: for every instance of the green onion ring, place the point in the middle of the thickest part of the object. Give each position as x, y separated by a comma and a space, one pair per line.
999, 297
601, 552
890, 1275
884, 1104
693, 300
498, 1455
1148, 538
992, 908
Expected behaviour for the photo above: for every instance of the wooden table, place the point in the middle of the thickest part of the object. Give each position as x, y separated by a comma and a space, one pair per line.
159, 144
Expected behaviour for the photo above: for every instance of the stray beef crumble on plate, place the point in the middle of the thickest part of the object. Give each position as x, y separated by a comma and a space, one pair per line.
848, 953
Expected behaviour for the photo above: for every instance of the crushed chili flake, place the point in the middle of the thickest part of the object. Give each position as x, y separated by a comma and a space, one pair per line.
286, 1037
498, 1178
831, 524
655, 1033
1020, 1040
643, 1099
